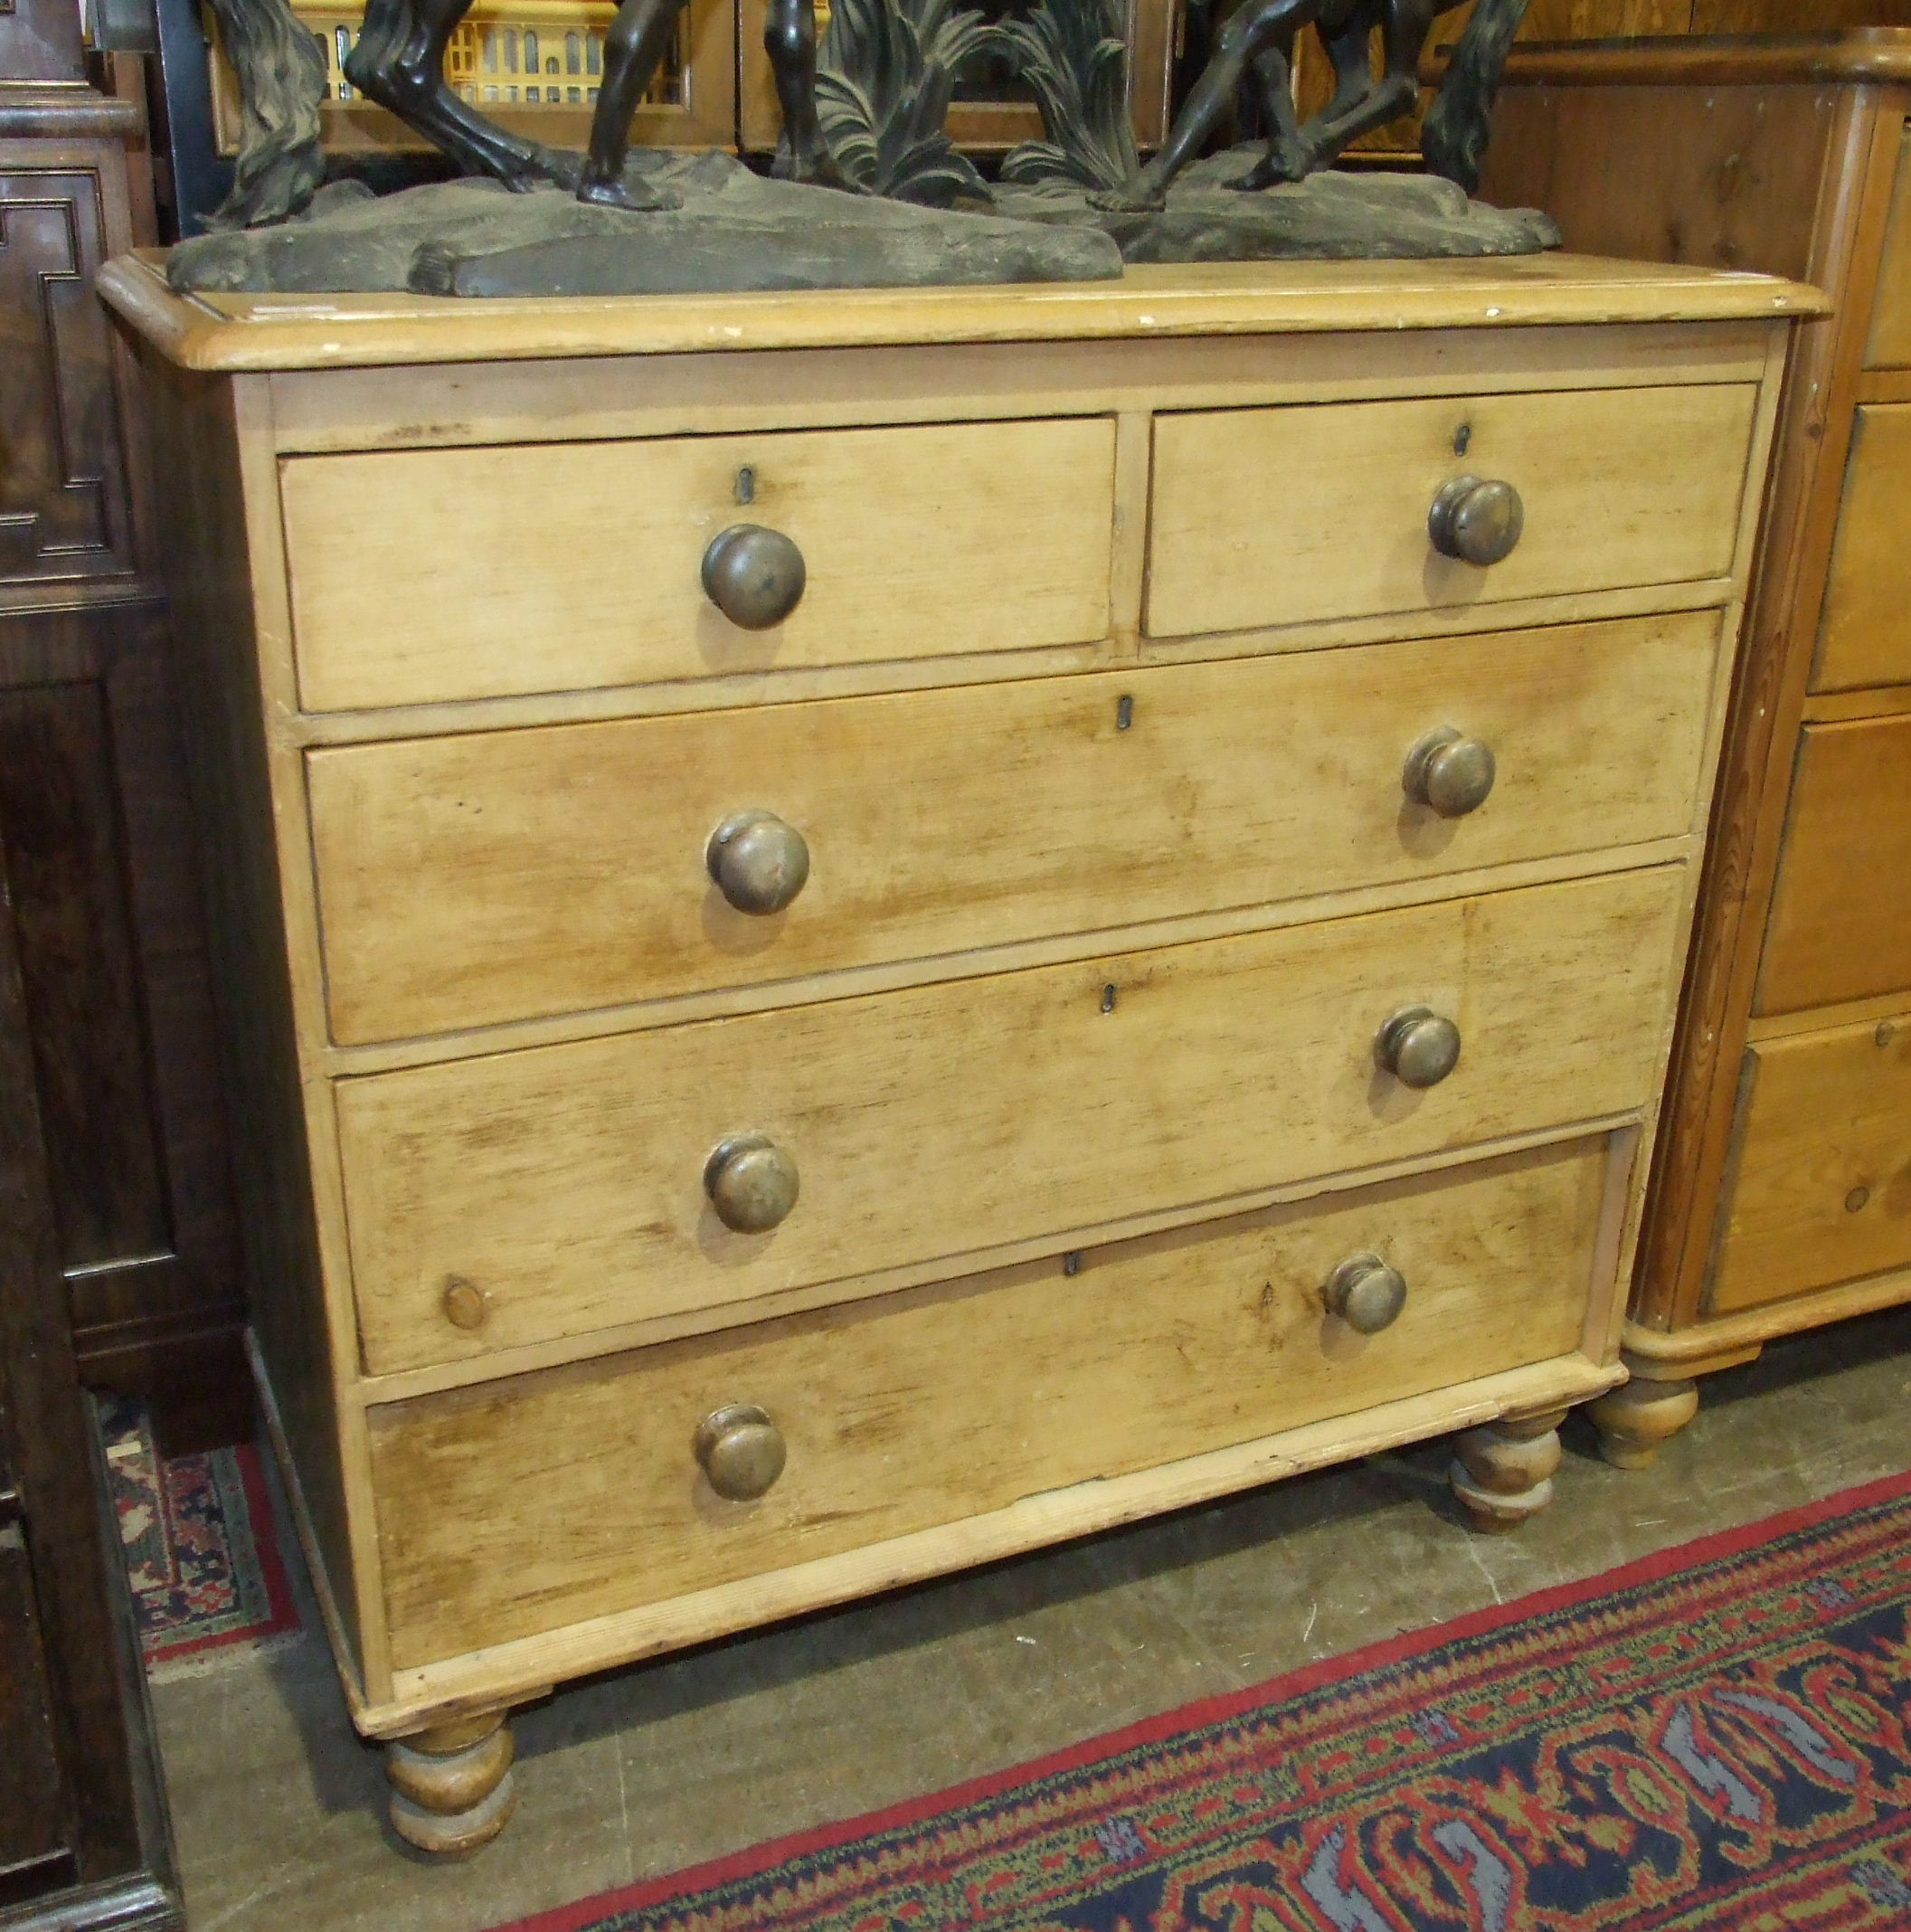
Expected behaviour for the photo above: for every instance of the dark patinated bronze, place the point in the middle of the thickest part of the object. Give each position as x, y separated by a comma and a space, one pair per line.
1450, 772
755, 576
740, 1449
1366, 1293
1419, 1046
758, 862
752, 1183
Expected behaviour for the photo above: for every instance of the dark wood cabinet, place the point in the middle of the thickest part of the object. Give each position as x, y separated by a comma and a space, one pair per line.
95, 831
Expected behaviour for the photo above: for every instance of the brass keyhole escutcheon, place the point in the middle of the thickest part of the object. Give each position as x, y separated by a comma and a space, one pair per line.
760, 864
742, 1451
1419, 1046
755, 576
1450, 772
1366, 1293
1476, 519
752, 1183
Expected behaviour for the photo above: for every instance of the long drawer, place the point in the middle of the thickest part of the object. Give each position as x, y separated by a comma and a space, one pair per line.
555, 1191
518, 1506
1821, 1188
1841, 921
420, 577
1266, 516
477, 878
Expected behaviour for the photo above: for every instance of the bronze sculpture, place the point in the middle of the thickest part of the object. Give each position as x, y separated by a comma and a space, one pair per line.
398, 61
1259, 39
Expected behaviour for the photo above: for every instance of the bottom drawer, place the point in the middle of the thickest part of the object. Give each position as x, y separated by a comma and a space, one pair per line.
1821, 1190
513, 1507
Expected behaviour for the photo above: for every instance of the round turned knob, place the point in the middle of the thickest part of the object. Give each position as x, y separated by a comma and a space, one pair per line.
740, 1449
1476, 520
752, 1183
465, 1303
754, 576
1366, 1293
1419, 1046
760, 864
1452, 773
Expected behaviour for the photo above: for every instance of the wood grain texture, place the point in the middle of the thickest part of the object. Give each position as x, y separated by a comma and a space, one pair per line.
1652, 495
565, 1182
468, 880
1841, 927
1821, 1185
1889, 345
1865, 634
1260, 299
1155, 1351
918, 542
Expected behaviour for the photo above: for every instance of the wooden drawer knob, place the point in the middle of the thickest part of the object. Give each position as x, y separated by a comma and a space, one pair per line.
1366, 1293
1419, 1046
465, 1303
752, 1183
1452, 773
760, 864
1476, 520
742, 1451
754, 576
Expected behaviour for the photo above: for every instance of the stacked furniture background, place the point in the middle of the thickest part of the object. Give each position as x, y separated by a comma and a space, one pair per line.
1782, 1194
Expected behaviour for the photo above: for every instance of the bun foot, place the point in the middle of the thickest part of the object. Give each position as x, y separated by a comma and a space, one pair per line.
1503, 1473
452, 1787
1637, 1416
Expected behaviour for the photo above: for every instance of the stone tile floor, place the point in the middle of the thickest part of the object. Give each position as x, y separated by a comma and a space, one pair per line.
278, 1809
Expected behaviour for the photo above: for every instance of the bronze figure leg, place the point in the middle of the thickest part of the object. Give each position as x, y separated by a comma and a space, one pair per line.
399, 62
789, 41
1284, 159
1405, 32
1248, 31
633, 51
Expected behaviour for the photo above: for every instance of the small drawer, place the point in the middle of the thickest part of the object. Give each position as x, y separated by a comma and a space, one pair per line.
1864, 635
1841, 921
516, 1507
1289, 515
1820, 1189
471, 879
421, 577
557, 1190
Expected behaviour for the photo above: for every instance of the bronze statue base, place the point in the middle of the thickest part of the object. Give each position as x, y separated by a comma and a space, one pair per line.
1335, 215
731, 230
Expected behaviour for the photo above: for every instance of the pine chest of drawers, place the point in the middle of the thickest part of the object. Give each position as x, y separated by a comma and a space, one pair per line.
865, 931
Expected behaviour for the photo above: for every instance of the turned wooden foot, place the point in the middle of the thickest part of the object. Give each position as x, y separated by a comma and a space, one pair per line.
1503, 1473
452, 1786
1634, 1418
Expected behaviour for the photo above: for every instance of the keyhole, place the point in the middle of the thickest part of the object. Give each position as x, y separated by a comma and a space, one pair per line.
1124, 712
1463, 436
1108, 999
746, 485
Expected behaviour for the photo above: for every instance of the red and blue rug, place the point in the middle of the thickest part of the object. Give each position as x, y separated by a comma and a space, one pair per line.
197, 1534
1718, 1736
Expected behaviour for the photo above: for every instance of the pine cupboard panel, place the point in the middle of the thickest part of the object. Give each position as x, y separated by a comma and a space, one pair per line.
1889, 346
565, 1183
518, 1506
1822, 1187
1289, 515
425, 576
471, 879
1840, 925
1865, 634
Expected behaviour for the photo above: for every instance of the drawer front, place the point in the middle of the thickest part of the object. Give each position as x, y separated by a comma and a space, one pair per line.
565, 1185
418, 576
1865, 634
1265, 517
1822, 1187
516, 1507
1841, 925
472, 879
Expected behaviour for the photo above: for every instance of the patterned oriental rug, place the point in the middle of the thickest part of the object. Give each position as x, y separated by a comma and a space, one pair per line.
197, 1532
1718, 1736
